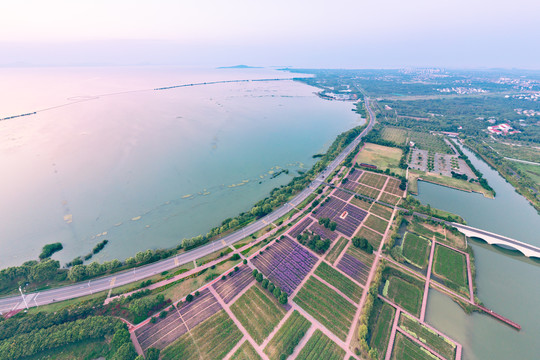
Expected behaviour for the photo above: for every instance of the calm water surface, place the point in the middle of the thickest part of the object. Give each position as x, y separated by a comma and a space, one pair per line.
145, 169
507, 282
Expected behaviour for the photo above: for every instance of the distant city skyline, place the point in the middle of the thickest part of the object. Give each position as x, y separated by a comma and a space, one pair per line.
317, 34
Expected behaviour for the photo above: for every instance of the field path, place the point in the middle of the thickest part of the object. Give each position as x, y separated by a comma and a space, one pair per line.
426, 286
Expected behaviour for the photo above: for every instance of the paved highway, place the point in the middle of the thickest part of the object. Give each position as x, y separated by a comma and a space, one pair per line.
142, 272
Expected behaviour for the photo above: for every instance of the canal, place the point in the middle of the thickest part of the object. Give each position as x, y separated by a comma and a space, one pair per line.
507, 281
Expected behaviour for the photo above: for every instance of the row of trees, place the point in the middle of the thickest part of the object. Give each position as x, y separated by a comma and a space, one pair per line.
281, 296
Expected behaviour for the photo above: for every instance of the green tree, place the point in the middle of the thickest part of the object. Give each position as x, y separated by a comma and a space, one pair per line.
120, 338
77, 273
45, 270
152, 354
125, 352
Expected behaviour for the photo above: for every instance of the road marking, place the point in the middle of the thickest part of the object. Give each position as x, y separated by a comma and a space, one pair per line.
223, 242
176, 262
111, 284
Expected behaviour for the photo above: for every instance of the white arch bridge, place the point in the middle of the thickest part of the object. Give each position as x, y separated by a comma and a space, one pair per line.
496, 239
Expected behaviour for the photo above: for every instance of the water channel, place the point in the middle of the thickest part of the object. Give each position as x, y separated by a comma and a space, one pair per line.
507, 282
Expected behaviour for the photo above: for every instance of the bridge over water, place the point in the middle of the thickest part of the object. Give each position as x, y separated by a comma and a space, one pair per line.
496, 239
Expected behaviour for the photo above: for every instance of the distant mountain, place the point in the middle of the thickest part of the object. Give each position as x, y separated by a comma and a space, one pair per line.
239, 67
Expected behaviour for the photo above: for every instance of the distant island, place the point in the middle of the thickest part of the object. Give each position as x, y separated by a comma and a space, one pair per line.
240, 67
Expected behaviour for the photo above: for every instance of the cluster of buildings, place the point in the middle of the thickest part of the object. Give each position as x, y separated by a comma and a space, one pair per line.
531, 96
463, 90
502, 129
528, 113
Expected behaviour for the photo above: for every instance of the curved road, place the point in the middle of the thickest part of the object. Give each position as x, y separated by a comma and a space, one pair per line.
140, 273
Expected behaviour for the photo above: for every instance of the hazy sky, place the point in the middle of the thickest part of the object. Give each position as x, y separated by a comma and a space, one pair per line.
338, 34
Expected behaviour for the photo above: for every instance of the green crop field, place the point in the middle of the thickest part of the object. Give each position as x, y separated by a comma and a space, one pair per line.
451, 265
416, 250
211, 339
381, 210
406, 294
427, 141
320, 346
373, 237
367, 191
374, 180
435, 341
389, 198
362, 204
258, 313
246, 352
396, 135
327, 306
405, 349
339, 281
380, 333
376, 223
287, 337
338, 247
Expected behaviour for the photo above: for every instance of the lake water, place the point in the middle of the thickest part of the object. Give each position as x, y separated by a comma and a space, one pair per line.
145, 168
508, 283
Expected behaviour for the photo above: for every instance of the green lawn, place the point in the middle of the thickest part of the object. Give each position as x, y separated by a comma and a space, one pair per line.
246, 352
452, 266
406, 294
258, 313
416, 250
338, 247
380, 333
384, 157
376, 223
320, 346
339, 281
327, 306
287, 337
405, 349
211, 339
438, 343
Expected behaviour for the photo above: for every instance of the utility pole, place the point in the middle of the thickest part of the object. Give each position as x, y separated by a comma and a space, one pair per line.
22, 295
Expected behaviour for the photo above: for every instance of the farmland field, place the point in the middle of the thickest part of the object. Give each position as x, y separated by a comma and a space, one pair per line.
246, 352
212, 339
405, 349
356, 263
383, 211
362, 204
382, 326
376, 223
389, 198
228, 288
450, 265
258, 313
404, 293
367, 191
339, 281
383, 157
373, 237
392, 187
320, 346
287, 337
396, 135
177, 323
438, 343
327, 306
338, 247
416, 250
374, 180
285, 263
427, 141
